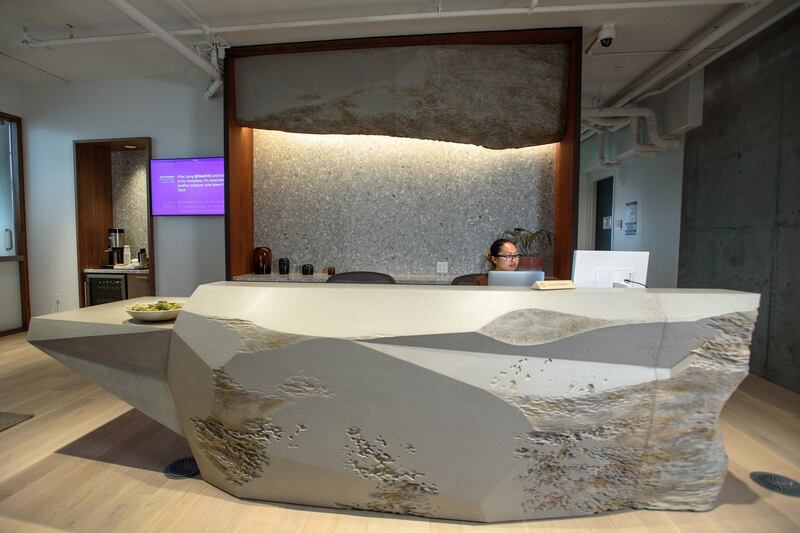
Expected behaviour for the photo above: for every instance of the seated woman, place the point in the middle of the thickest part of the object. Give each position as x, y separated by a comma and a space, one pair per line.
503, 255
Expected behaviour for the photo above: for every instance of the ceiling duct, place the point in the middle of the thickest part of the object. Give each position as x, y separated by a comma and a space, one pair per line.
149, 24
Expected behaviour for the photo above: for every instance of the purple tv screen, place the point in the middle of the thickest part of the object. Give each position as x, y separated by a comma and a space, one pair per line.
188, 186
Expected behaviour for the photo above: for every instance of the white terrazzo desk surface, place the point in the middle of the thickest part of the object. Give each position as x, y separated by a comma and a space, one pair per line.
402, 279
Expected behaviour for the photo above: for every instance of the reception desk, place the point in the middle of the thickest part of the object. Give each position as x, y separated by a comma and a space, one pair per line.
470, 403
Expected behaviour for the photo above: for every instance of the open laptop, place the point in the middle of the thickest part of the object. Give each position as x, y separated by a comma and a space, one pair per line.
517, 278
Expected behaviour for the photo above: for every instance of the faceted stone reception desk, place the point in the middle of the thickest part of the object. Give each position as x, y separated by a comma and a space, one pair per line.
471, 403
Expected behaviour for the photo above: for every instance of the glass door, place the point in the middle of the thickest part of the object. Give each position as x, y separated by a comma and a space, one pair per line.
14, 304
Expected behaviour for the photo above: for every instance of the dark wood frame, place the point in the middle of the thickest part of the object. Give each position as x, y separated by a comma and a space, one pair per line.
91, 228
239, 239
21, 236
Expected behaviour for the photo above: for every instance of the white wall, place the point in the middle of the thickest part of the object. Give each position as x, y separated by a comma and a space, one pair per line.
182, 123
656, 184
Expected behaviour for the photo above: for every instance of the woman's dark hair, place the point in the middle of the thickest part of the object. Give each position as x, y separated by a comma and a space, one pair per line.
496, 245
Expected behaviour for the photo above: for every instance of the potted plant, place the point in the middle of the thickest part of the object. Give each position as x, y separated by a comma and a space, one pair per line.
529, 245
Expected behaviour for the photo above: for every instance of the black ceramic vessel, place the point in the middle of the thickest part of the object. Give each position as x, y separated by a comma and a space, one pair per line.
283, 265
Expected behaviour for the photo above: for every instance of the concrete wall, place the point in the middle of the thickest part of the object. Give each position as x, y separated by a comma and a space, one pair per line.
742, 192
182, 123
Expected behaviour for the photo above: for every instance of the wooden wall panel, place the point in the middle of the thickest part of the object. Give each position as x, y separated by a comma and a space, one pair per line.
93, 207
567, 169
238, 185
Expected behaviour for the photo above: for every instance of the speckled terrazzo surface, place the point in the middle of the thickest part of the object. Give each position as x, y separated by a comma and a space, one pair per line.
404, 279
497, 96
394, 205
129, 196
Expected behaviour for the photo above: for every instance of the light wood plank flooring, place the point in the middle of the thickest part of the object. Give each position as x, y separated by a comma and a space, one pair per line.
87, 462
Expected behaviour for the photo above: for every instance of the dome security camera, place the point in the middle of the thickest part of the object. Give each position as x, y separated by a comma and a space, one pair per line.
606, 35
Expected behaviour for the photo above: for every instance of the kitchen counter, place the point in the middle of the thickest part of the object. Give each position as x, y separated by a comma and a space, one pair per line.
460, 402
116, 270
401, 279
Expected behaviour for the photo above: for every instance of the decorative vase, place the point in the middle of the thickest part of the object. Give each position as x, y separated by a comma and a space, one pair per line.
262, 260
307, 269
283, 265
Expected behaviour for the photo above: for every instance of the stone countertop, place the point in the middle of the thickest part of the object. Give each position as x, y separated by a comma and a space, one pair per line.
103, 319
402, 279
116, 271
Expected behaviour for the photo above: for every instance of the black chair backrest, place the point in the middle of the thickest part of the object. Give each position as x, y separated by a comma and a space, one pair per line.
359, 276
466, 279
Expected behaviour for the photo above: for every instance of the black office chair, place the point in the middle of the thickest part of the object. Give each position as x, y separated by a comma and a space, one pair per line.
466, 279
359, 276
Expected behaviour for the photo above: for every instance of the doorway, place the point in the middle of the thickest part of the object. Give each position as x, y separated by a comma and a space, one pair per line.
604, 213
112, 187
15, 313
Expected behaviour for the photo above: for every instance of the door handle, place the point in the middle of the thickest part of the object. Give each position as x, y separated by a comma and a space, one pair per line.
9, 240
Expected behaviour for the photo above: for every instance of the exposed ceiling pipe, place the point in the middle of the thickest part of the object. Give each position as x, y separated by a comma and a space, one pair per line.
618, 122
601, 152
212, 89
724, 50
648, 114
605, 6
149, 24
589, 129
717, 32
641, 149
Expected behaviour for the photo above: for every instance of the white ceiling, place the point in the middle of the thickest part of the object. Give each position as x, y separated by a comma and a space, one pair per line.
646, 36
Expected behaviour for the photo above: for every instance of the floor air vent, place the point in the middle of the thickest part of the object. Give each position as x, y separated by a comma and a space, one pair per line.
776, 483
182, 468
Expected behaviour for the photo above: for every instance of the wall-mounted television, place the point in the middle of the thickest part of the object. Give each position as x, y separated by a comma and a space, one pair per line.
191, 186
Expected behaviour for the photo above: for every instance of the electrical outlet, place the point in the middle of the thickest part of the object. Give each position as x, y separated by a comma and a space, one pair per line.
441, 267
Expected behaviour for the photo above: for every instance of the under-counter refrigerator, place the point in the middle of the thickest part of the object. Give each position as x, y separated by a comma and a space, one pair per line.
105, 288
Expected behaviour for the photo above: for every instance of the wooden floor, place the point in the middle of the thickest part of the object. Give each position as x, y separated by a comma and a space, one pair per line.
88, 462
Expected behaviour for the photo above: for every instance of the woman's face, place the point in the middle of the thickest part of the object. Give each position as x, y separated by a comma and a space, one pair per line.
507, 258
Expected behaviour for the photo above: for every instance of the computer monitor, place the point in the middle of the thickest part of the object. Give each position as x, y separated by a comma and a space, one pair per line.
515, 278
599, 268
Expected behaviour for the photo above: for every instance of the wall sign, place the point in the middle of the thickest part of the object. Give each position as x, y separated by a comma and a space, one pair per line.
631, 218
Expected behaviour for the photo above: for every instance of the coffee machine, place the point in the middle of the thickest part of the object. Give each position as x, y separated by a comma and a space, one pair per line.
116, 246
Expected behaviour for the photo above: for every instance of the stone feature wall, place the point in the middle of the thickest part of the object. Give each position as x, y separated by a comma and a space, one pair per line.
394, 205
741, 193
129, 196
497, 96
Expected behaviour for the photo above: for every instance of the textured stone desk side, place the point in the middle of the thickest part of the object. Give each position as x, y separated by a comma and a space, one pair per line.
468, 403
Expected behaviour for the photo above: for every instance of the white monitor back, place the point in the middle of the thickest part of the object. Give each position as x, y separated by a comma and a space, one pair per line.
598, 268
